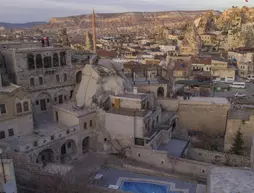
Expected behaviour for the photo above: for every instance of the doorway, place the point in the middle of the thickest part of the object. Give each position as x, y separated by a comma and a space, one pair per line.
60, 97
63, 149
43, 105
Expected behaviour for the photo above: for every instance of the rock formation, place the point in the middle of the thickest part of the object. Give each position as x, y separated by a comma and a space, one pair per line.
89, 41
63, 37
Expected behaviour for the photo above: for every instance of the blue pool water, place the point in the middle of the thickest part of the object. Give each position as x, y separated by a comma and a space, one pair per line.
141, 187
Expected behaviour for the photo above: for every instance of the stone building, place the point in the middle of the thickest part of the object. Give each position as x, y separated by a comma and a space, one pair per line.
47, 72
204, 115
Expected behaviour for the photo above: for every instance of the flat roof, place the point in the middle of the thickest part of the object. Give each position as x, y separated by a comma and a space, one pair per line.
230, 180
129, 112
131, 95
71, 108
204, 100
239, 114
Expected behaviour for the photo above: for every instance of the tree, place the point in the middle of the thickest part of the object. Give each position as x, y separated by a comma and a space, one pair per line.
237, 147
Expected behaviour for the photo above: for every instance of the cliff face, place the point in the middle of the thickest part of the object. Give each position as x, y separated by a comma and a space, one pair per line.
130, 20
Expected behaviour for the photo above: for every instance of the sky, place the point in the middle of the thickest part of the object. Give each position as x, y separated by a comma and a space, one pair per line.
19, 11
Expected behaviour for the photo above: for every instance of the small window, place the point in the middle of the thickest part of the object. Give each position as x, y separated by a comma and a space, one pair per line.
55, 99
2, 109
42, 157
68, 132
26, 106
63, 58
85, 127
11, 132
69, 145
57, 78
38, 61
37, 102
157, 119
35, 144
52, 137
65, 98
65, 77
30, 61
40, 80
71, 93
32, 81
55, 60
2, 134
91, 123
47, 100
47, 62
18, 108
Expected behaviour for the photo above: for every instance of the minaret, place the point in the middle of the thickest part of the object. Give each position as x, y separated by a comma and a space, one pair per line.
94, 32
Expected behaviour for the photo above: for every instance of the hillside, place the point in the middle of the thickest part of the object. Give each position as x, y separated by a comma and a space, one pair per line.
113, 22
20, 25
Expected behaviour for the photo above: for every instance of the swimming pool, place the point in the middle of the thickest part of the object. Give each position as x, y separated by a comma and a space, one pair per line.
144, 187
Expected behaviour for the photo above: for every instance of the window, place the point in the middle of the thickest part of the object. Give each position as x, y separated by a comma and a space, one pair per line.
65, 97
42, 157
32, 81
40, 80
35, 144
47, 100
11, 132
52, 137
47, 62
157, 119
55, 60
37, 102
30, 61
56, 116
38, 61
63, 58
68, 132
57, 78
71, 93
2, 134
91, 123
25, 106
55, 99
65, 77
85, 127
18, 108
2, 109
69, 145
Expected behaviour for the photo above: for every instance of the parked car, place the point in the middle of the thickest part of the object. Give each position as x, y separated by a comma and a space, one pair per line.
240, 95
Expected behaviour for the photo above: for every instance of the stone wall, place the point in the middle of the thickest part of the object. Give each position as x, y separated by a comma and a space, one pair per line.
218, 158
247, 129
205, 118
163, 160
169, 104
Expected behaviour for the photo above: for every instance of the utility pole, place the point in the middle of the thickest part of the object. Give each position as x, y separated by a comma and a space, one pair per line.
94, 31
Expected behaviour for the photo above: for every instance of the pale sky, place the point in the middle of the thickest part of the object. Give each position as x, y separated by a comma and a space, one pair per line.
43, 10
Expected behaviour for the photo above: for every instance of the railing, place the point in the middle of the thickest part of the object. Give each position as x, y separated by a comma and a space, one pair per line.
185, 149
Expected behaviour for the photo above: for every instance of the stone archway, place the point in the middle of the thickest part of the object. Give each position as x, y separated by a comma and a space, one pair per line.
46, 156
68, 150
85, 144
160, 92
78, 77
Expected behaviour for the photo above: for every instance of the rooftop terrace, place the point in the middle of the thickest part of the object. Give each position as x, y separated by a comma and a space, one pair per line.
204, 100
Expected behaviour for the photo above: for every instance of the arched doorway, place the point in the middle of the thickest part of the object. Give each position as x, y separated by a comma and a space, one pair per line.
78, 77
68, 149
85, 144
46, 156
160, 92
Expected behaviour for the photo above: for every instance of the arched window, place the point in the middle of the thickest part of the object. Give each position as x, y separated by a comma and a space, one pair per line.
30, 61
38, 61
19, 108
47, 62
65, 77
25, 106
55, 59
63, 58
32, 81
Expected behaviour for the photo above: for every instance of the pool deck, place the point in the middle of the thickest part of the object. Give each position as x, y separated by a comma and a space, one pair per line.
174, 147
113, 176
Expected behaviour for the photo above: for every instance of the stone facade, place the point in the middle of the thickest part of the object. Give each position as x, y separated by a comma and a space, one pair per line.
203, 115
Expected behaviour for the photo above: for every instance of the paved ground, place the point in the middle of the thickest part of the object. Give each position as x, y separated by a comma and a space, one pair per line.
111, 176
174, 147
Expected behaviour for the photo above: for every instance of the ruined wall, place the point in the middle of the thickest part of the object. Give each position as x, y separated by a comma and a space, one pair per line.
163, 160
247, 129
218, 158
205, 118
